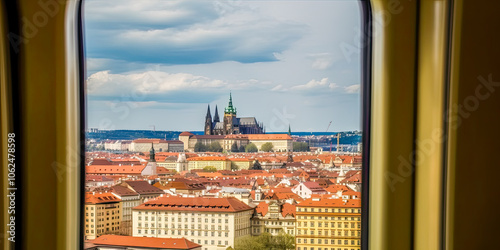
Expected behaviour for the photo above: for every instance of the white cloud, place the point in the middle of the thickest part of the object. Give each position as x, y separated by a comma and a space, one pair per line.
352, 89
162, 86
315, 85
104, 83
278, 87
321, 61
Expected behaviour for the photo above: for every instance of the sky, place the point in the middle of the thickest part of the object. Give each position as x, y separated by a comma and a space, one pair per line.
158, 64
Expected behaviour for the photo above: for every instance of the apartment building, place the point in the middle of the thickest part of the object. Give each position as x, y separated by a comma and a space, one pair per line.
102, 214
214, 223
273, 217
328, 224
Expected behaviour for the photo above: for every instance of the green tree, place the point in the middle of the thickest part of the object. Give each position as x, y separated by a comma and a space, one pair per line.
209, 169
251, 148
215, 147
266, 241
242, 148
234, 166
267, 147
234, 147
200, 147
300, 147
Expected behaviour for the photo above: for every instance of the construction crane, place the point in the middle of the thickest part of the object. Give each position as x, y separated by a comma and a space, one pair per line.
327, 131
338, 141
328, 126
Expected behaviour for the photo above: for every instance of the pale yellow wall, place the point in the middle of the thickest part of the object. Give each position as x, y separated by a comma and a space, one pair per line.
328, 229
220, 165
195, 226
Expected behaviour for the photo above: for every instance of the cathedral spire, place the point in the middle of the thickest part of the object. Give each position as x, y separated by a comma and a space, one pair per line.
209, 115
230, 109
289, 130
216, 115
152, 154
208, 122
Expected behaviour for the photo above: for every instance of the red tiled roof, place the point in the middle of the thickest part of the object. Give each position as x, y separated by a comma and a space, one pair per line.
318, 202
262, 208
114, 169
98, 178
143, 187
99, 198
185, 133
288, 209
123, 191
148, 242
228, 205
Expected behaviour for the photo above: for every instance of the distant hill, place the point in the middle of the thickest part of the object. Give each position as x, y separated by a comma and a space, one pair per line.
347, 137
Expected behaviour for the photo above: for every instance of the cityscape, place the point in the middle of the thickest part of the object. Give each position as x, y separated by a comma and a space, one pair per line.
223, 125
231, 187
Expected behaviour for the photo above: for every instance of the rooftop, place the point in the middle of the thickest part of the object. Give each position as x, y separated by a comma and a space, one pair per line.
228, 205
147, 242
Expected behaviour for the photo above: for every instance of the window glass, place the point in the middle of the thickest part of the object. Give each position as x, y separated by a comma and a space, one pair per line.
247, 110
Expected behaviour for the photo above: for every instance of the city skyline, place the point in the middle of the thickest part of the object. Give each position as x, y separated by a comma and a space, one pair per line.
168, 60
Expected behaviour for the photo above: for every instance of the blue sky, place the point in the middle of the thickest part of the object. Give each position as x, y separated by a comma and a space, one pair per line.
159, 63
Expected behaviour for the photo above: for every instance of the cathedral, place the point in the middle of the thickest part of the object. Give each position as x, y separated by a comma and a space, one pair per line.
230, 123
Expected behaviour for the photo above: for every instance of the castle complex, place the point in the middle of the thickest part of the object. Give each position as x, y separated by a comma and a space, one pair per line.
231, 124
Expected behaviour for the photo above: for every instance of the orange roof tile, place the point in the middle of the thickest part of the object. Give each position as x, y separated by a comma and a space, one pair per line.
227, 205
114, 169
99, 198
262, 208
322, 202
288, 209
148, 242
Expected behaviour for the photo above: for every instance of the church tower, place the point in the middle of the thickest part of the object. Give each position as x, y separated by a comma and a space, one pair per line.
208, 122
229, 115
216, 115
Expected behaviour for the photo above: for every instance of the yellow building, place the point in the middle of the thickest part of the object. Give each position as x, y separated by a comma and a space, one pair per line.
274, 218
241, 163
103, 214
219, 162
281, 142
328, 224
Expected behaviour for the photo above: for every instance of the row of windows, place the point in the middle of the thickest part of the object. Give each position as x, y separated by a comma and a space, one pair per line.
331, 242
172, 226
326, 218
102, 219
332, 232
184, 232
257, 222
185, 219
102, 230
328, 210
331, 224
185, 214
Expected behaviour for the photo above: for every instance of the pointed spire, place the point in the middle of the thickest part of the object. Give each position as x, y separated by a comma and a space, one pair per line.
209, 115
152, 153
216, 115
230, 109
289, 130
